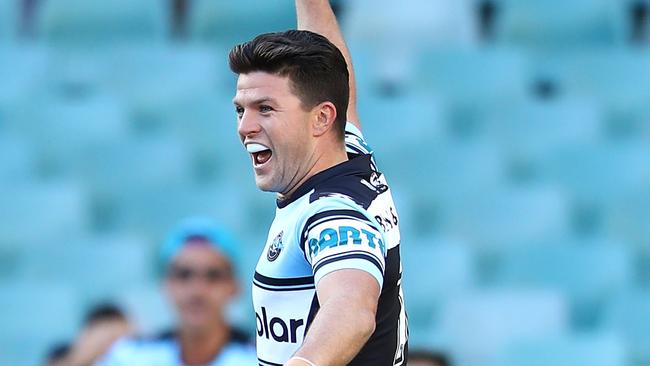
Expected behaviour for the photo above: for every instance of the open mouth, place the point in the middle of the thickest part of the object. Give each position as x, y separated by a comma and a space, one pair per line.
260, 153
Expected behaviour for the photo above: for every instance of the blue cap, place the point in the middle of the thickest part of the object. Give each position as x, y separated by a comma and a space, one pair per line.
215, 234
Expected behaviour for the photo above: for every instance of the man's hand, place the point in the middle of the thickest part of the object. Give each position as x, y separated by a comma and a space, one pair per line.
317, 16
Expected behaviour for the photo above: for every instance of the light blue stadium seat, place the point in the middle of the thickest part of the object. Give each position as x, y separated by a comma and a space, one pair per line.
67, 130
434, 270
509, 216
136, 165
469, 76
9, 20
36, 213
532, 129
156, 210
390, 122
600, 174
567, 350
90, 21
34, 316
628, 316
23, 69
230, 22
588, 274
629, 218
480, 325
90, 264
558, 23
152, 77
418, 22
610, 76
18, 161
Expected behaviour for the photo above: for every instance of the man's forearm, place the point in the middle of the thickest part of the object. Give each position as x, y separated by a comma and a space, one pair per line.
317, 16
337, 334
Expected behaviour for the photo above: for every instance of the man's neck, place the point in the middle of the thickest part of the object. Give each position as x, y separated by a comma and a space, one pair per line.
202, 347
323, 162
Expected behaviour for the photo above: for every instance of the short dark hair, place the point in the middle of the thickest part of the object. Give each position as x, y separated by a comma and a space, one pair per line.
436, 358
316, 68
102, 312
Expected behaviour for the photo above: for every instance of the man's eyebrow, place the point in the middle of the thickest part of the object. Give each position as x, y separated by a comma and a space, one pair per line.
255, 101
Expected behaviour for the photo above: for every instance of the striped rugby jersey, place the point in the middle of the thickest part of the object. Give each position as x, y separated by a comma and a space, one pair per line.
343, 217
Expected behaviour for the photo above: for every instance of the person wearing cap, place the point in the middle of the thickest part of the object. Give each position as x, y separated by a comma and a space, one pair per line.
199, 260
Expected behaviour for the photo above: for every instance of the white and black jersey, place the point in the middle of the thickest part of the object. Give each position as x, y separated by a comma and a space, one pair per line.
340, 218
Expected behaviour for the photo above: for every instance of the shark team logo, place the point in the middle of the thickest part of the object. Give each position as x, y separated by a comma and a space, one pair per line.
275, 248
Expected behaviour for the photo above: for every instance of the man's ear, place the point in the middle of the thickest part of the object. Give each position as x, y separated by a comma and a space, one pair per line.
324, 118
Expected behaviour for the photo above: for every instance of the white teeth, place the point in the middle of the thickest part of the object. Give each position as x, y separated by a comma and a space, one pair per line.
255, 148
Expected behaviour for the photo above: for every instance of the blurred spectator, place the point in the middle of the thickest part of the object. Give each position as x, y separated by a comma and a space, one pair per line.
103, 325
57, 355
427, 358
179, 14
199, 259
28, 17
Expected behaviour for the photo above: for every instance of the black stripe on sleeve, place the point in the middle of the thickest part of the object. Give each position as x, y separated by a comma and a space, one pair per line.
364, 256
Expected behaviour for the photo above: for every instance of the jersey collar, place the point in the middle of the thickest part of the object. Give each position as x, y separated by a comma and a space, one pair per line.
357, 164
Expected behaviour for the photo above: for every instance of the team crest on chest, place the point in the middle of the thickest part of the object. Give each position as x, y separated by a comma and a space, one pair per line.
275, 248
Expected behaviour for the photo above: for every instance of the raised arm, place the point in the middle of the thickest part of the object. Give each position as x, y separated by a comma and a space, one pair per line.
317, 16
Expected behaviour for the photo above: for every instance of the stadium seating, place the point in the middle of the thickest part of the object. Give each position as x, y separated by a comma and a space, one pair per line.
424, 22
37, 213
628, 316
100, 267
479, 325
434, 270
236, 22
519, 162
79, 21
561, 24
503, 218
9, 20
35, 315
22, 69
567, 350
628, 219
19, 162
599, 174
589, 275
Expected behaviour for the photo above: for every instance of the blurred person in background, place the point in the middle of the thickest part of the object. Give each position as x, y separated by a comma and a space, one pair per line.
427, 358
57, 355
103, 326
199, 259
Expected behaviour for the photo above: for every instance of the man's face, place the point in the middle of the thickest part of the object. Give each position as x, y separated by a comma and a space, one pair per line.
200, 284
275, 129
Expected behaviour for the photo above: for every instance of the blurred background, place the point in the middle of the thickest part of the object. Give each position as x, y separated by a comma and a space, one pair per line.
515, 134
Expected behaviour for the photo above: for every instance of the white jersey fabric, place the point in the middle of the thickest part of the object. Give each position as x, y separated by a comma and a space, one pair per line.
165, 351
341, 218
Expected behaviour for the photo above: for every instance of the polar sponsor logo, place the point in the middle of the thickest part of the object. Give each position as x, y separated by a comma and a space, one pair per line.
277, 328
331, 238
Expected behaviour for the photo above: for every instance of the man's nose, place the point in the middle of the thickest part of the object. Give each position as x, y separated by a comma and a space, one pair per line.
248, 124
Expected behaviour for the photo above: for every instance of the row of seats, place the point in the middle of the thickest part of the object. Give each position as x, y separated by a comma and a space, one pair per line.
530, 22
488, 326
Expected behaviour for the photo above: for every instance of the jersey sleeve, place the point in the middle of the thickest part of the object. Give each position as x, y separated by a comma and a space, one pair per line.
355, 143
339, 235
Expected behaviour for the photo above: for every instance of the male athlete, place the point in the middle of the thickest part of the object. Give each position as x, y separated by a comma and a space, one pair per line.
327, 285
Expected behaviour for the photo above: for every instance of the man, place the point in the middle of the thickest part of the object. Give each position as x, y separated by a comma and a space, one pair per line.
327, 285
199, 258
